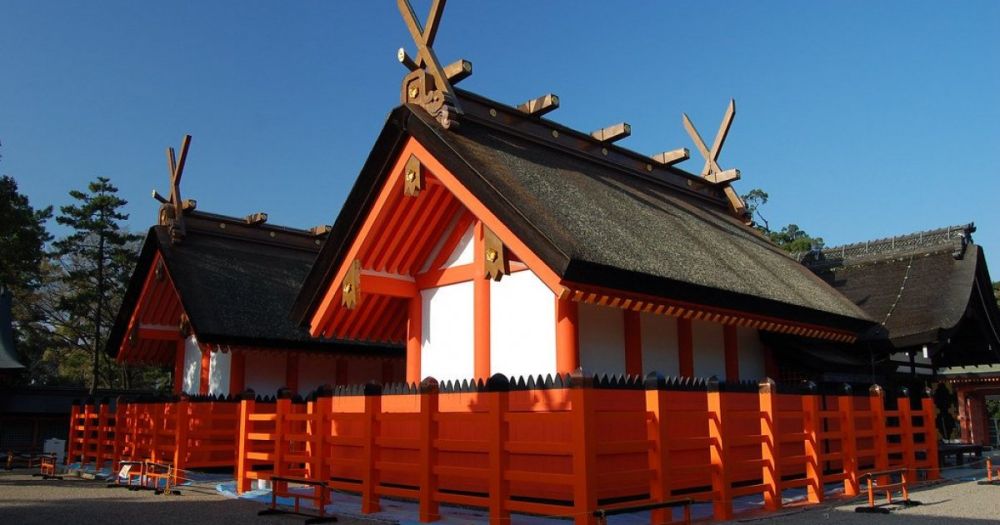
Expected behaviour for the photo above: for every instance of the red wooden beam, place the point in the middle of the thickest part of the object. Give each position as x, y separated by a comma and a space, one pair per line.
388, 286
159, 332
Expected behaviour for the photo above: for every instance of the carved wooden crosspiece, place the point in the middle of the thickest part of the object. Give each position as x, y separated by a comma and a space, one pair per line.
172, 209
712, 172
428, 84
495, 261
350, 289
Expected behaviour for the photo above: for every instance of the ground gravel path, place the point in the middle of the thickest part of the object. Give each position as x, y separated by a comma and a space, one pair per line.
29, 500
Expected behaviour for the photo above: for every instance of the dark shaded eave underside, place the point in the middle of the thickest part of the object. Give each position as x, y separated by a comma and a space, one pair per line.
403, 123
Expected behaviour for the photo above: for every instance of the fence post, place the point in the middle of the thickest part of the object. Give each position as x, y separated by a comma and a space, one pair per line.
429, 507
88, 410
930, 435
322, 406
876, 397
659, 452
584, 448
812, 428
74, 421
373, 408
498, 390
247, 406
904, 405
770, 444
283, 407
722, 502
183, 407
849, 444
119, 439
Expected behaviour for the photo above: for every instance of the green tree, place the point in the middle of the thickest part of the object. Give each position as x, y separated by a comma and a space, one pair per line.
94, 263
22, 254
791, 238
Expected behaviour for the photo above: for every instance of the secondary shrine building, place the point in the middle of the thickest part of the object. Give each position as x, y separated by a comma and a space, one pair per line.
212, 304
511, 244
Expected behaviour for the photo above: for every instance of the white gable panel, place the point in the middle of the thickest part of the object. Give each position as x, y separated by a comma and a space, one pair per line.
522, 326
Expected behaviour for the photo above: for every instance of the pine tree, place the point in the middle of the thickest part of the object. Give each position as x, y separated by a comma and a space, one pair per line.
94, 264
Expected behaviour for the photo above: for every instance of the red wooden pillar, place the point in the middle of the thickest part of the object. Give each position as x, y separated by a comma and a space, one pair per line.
731, 345
481, 307
237, 372
206, 369
722, 486
292, 371
931, 436
685, 348
373, 408
567, 335
242, 462
179, 367
633, 343
812, 427
584, 450
414, 338
849, 444
498, 396
770, 445
429, 506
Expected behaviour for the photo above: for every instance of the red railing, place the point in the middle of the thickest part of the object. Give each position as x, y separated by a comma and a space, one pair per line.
574, 445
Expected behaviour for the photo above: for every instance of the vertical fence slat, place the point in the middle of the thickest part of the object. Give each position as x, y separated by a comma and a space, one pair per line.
930, 437
770, 446
584, 450
242, 463
812, 429
369, 495
499, 462
849, 445
722, 501
429, 506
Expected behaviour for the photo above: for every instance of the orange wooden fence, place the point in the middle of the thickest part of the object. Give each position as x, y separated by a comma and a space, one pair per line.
189, 433
568, 446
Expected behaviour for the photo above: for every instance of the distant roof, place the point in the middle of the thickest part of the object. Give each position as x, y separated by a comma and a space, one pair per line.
597, 214
8, 352
236, 283
924, 288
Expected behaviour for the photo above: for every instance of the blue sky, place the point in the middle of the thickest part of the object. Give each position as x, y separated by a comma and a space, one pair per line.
861, 119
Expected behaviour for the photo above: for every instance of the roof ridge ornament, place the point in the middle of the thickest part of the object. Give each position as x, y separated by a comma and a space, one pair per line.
429, 85
172, 210
712, 172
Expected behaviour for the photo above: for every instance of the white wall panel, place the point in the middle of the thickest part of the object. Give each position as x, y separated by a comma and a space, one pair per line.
447, 350
659, 344
709, 349
192, 366
463, 253
522, 326
751, 354
602, 339
265, 372
220, 365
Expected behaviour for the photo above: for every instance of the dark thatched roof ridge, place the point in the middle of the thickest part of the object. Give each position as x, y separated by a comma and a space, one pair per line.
596, 221
236, 284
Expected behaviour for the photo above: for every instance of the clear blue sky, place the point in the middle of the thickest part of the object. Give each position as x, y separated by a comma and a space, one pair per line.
861, 119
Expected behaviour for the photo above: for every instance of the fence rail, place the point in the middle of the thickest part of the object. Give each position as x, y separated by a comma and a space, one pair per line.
563, 446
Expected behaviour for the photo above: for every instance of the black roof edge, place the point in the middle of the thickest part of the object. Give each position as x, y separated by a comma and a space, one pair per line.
584, 272
318, 345
150, 245
361, 196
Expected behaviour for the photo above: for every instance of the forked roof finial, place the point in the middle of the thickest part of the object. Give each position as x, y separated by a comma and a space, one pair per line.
712, 172
172, 209
429, 85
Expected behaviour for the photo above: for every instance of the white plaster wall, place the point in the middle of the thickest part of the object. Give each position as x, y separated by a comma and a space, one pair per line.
463, 253
751, 354
265, 372
447, 351
659, 344
522, 326
218, 372
709, 349
316, 370
602, 339
192, 366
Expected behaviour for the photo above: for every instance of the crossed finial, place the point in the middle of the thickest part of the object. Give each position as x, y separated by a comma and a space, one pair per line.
172, 209
712, 172
429, 85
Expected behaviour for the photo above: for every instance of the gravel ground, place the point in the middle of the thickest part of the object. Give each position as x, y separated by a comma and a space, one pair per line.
28, 500
961, 503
